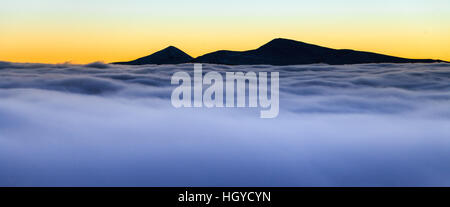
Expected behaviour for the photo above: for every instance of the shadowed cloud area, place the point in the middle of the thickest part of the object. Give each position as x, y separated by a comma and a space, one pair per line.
113, 125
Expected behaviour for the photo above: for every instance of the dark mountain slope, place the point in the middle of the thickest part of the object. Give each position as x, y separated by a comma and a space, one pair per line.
169, 55
289, 52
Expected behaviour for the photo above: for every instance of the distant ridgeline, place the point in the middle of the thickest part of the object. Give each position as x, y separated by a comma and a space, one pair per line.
276, 52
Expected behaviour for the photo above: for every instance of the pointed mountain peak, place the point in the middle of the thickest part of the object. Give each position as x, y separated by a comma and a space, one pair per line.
171, 48
168, 55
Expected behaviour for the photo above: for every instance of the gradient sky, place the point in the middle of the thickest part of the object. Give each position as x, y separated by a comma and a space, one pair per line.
83, 31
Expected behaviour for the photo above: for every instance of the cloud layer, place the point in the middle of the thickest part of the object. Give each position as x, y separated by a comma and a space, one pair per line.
109, 125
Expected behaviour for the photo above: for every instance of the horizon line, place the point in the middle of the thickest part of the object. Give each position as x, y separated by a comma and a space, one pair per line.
173, 45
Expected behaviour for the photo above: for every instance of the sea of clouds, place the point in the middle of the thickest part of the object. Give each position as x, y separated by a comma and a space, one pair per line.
111, 125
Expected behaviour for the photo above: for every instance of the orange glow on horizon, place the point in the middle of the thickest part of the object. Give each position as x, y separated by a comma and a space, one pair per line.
51, 31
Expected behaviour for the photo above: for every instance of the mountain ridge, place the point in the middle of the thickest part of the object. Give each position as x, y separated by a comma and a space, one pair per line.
278, 51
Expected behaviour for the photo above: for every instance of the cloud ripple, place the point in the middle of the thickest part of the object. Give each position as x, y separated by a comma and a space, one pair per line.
110, 125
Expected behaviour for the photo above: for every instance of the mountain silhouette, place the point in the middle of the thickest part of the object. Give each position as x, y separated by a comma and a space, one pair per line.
276, 52
290, 52
169, 55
